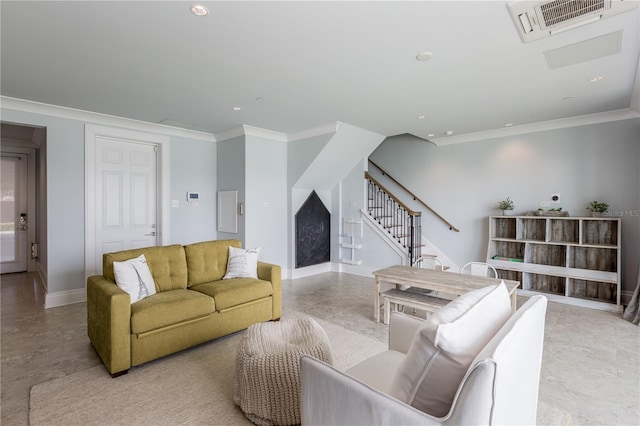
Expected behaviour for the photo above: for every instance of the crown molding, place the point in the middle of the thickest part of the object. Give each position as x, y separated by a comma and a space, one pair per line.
99, 118
582, 120
245, 130
332, 127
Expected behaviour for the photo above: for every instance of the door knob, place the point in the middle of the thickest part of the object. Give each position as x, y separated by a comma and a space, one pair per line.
153, 234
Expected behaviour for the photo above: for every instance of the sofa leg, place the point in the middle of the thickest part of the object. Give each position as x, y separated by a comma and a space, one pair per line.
119, 373
277, 319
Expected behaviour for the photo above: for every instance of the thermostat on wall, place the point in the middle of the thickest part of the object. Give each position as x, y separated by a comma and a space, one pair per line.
193, 196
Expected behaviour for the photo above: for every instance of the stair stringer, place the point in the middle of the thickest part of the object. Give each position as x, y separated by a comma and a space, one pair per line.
428, 247
382, 232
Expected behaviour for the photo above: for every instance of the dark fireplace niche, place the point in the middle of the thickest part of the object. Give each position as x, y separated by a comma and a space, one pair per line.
313, 223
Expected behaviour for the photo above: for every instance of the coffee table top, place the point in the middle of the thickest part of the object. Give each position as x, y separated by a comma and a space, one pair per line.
449, 282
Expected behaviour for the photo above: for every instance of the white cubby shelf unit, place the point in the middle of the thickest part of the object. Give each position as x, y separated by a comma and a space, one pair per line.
352, 229
573, 260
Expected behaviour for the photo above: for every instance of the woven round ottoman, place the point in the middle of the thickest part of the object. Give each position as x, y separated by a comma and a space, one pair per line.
267, 386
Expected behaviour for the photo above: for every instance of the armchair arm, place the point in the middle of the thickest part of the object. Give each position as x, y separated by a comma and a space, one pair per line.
108, 323
402, 328
270, 272
330, 397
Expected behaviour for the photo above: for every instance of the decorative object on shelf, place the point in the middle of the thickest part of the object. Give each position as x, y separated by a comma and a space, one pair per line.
557, 212
597, 208
506, 206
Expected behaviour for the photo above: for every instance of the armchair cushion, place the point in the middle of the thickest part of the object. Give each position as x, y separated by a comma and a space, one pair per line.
444, 347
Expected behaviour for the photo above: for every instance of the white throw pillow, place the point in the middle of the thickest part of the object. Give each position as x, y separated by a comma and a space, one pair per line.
242, 263
444, 347
134, 277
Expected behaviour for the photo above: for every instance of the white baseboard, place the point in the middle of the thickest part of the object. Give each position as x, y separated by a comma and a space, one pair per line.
308, 271
61, 298
362, 271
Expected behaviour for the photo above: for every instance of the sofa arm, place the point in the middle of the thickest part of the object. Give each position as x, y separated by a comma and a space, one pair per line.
330, 397
402, 328
108, 323
270, 272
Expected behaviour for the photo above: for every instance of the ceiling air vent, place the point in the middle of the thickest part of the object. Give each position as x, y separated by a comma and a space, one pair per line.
539, 19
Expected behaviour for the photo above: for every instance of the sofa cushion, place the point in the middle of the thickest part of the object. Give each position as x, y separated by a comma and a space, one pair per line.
168, 308
243, 263
230, 293
445, 345
207, 261
167, 264
134, 277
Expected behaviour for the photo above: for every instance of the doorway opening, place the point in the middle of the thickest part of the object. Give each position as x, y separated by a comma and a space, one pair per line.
23, 206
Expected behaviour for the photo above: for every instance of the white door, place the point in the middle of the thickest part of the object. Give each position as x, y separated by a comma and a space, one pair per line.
13, 213
125, 194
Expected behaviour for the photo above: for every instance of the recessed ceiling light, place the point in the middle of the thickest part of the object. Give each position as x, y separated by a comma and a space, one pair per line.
237, 108
199, 10
595, 79
259, 99
420, 117
567, 98
508, 124
423, 56
431, 135
449, 132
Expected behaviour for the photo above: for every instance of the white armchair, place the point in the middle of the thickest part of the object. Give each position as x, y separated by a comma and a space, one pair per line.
500, 385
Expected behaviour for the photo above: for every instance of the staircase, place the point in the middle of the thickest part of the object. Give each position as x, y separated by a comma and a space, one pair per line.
400, 222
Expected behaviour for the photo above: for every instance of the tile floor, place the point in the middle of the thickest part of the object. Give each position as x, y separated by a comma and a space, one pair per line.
590, 372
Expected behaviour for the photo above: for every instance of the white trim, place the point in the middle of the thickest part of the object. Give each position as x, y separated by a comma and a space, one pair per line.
384, 236
101, 119
584, 303
308, 271
245, 130
582, 120
316, 131
164, 194
67, 297
362, 271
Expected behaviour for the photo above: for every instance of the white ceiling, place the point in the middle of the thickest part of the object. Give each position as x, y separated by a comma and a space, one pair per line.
312, 63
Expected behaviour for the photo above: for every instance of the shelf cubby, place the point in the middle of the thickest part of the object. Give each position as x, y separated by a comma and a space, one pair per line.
593, 290
545, 254
600, 232
564, 231
505, 228
532, 229
545, 283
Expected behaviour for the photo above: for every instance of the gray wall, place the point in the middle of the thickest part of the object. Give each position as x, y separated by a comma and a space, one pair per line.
191, 170
231, 177
593, 162
266, 198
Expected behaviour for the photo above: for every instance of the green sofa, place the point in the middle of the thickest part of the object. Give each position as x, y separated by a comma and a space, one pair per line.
193, 304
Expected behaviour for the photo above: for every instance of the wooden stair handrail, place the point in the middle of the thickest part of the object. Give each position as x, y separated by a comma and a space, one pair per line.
390, 195
451, 227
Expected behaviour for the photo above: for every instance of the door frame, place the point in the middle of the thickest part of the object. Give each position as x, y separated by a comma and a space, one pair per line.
163, 193
8, 147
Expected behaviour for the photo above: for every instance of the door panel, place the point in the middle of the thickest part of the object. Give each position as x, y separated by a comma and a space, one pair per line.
125, 195
13, 214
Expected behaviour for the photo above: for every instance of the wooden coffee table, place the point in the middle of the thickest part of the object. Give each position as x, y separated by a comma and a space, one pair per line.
446, 282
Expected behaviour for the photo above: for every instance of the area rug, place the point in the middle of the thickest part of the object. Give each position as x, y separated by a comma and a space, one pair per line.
193, 387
